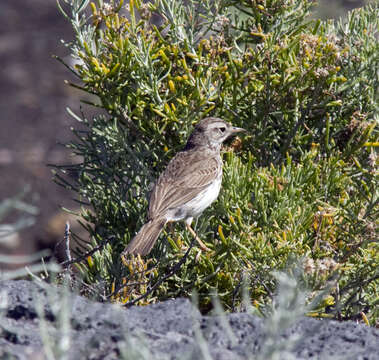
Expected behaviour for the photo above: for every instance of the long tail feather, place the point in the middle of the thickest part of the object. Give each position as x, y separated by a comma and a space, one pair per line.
145, 239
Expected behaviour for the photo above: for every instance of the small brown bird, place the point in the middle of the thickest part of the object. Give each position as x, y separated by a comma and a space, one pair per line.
188, 185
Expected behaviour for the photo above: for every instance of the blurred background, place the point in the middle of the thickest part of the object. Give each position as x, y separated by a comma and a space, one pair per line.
34, 121
33, 99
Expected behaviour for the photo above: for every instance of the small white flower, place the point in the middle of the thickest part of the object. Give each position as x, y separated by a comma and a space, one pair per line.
222, 21
107, 8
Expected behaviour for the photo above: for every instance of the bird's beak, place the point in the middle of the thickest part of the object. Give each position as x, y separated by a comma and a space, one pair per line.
235, 129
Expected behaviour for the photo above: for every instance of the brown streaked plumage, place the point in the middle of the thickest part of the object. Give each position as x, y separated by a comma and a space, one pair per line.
188, 185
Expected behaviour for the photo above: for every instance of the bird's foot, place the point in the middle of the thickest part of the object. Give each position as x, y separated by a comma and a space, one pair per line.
202, 246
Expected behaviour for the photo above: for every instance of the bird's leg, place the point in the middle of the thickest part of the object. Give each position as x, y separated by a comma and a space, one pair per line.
201, 244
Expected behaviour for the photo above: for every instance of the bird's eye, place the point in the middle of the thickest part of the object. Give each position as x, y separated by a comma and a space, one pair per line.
222, 129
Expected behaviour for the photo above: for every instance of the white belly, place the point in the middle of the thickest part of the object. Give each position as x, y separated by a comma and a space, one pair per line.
198, 204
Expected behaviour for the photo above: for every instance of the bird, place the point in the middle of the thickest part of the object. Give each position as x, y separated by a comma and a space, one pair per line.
189, 184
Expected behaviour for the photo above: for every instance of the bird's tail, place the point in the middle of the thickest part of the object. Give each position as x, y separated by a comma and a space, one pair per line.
145, 239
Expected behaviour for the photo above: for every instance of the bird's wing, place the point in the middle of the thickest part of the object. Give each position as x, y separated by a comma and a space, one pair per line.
186, 175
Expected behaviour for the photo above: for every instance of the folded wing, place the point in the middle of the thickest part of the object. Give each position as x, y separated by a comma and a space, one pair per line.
179, 184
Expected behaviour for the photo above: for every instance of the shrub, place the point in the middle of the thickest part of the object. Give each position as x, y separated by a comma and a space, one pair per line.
302, 184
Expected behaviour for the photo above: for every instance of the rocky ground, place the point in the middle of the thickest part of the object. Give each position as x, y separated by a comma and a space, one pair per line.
76, 328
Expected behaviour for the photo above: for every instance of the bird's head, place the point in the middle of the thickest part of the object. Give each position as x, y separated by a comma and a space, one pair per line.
211, 132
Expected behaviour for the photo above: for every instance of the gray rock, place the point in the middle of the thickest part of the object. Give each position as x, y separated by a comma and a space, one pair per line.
74, 327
